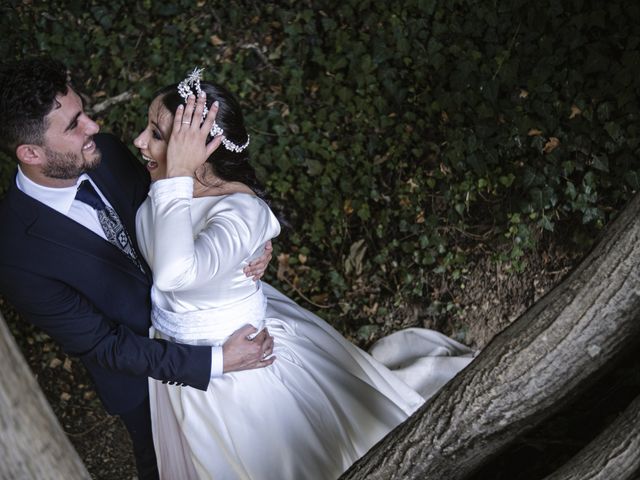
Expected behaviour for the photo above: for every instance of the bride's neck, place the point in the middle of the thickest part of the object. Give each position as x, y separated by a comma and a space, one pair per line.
208, 184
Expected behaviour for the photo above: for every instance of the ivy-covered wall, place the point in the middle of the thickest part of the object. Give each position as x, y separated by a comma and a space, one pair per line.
390, 132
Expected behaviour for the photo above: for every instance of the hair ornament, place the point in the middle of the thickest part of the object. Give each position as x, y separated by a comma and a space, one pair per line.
191, 86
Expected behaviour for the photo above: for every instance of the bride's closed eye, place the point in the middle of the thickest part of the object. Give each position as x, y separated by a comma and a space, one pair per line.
156, 134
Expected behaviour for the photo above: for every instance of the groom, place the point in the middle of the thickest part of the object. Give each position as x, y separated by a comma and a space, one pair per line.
80, 280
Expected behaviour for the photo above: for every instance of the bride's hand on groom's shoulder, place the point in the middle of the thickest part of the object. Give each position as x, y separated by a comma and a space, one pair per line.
244, 351
187, 149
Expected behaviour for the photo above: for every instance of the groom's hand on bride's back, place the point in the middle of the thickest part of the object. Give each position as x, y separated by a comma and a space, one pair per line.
244, 351
257, 268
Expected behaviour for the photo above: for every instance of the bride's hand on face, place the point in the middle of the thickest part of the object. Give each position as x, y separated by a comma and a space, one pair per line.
187, 149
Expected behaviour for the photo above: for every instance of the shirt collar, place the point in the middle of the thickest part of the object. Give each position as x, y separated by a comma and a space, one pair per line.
60, 199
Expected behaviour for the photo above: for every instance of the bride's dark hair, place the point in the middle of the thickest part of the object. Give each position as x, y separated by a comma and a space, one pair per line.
227, 165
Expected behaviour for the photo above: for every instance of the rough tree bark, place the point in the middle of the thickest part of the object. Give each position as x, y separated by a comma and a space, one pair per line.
613, 454
527, 372
32, 442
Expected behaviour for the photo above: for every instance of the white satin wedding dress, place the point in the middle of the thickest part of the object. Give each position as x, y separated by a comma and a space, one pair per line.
320, 406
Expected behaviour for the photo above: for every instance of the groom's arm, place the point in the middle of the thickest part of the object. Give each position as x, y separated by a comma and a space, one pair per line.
83, 331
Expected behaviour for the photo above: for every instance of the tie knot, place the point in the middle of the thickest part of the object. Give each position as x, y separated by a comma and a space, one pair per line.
87, 194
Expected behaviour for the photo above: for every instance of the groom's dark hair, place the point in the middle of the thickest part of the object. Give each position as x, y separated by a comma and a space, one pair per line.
28, 90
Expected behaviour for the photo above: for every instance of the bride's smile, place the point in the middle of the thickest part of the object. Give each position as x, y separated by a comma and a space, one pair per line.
152, 141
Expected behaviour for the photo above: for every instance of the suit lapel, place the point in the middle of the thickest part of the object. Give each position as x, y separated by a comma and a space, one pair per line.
49, 225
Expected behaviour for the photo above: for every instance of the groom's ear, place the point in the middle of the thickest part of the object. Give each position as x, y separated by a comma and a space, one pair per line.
30, 154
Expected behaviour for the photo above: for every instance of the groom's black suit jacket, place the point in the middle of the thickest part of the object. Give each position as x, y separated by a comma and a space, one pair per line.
86, 294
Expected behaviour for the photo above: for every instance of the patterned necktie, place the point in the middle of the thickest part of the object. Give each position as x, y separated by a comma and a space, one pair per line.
109, 221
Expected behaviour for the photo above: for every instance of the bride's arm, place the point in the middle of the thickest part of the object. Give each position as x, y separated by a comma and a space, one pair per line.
181, 261
174, 261
185, 156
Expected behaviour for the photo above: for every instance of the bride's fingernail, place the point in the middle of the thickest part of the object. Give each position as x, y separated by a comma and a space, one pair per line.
216, 103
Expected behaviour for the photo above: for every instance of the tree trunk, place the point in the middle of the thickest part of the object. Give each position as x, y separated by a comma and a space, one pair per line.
613, 454
527, 372
32, 442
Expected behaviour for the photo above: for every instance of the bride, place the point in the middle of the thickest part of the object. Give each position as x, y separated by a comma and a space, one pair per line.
323, 402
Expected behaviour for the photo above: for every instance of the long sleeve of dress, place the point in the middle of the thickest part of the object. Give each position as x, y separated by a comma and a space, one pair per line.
224, 238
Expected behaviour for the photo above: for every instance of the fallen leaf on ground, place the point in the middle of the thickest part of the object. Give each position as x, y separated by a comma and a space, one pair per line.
55, 362
575, 111
551, 145
67, 365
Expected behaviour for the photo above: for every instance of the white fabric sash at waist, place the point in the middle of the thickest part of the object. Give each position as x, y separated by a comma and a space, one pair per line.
211, 326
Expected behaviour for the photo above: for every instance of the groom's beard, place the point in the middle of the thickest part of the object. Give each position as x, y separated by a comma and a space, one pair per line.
69, 165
